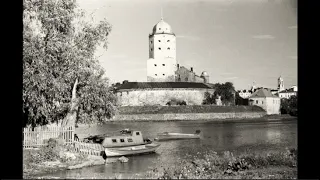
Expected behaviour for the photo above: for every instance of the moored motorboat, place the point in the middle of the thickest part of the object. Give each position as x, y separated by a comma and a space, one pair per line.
174, 136
127, 143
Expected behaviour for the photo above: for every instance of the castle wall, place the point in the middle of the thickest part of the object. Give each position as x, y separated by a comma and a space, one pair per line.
185, 75
189, 116
141, 97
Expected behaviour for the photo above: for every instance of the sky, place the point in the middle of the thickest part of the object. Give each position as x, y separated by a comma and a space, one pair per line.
238, 41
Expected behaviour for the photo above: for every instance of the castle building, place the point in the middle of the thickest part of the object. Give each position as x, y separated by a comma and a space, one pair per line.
162, 63
166, 80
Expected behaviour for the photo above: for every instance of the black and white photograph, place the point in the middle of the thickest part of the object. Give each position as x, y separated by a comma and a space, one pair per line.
160, 89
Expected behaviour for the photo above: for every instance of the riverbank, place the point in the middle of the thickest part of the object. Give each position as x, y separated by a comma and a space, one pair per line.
217, 117
276, 164
227, 165
50, 159
192, 113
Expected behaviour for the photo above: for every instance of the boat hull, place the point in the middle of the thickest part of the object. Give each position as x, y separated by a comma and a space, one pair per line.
176, 136
131, 150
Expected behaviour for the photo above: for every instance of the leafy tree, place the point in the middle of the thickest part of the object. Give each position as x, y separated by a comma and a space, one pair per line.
289, 106
226, 91
209, 98
61, 77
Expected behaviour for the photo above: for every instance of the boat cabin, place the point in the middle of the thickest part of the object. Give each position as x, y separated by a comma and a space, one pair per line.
125, 138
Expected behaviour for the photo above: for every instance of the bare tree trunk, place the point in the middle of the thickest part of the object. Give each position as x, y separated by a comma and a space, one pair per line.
71, 117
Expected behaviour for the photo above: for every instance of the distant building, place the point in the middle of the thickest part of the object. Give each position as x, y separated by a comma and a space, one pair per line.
280, 84
265, 99
288, 93
245, 94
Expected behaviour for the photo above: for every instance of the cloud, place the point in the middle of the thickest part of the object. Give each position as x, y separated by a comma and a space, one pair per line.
293, 27
265, 36
192, 38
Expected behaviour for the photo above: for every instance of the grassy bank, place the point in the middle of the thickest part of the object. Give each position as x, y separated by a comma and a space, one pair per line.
211, 165
50, 159
275, 164
186, 109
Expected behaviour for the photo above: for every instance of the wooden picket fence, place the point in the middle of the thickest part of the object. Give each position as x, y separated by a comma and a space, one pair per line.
39, 136
88, 148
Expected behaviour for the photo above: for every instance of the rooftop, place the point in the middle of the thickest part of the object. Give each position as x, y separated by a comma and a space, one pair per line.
164, 85
288, 91
262, 93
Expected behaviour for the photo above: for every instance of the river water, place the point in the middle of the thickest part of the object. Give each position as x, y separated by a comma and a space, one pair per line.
218, 136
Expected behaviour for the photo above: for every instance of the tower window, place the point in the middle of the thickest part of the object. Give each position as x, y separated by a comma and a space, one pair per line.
168, 40
159, 48
151, 42
162, 74
156, 74
159, 40
163, 64
155, 65
168, 48
151, 49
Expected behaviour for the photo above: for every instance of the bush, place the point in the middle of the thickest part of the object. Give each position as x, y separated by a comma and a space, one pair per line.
211, 165
176, 102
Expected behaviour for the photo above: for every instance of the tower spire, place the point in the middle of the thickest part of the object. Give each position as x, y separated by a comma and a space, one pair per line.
161, 14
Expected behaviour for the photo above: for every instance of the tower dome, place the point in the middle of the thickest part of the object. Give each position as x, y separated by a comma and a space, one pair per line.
204, 73
162, 27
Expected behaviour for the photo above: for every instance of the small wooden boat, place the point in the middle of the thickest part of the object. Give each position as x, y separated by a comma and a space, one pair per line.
174, 136
127, 143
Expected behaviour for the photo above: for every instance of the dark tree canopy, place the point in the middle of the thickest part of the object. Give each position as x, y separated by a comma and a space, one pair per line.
58, 56
226, 91
289, 106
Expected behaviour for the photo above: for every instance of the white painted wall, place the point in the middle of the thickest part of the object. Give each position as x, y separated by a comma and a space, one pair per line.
161, 96
162, 62
270, 104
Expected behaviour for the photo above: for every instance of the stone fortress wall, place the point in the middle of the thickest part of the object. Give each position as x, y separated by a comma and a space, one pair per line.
160, 96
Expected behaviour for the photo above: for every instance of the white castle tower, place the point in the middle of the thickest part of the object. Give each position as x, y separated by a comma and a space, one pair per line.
162, 63
280, 84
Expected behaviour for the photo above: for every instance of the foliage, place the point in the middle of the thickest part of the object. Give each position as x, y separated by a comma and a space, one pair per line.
176, 102
240, 101
209, 98
211, 165
289, 106
58, 49
225, 90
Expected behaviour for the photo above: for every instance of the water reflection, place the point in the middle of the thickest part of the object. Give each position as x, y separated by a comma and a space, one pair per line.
215, 136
